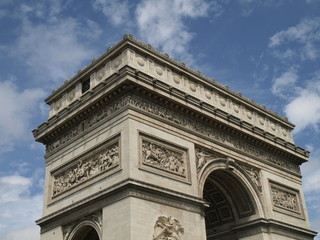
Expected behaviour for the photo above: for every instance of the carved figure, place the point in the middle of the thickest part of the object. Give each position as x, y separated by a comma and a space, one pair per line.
86, 169
167, 228
203, 156
183, 121
254, 175
161, 157
284, 199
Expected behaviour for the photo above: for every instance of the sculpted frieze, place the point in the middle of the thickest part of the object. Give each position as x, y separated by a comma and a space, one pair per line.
82, 170
163, 156
86, 124
214, 133
167, 228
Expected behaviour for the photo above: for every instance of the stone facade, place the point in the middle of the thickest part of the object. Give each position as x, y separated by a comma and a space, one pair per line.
138, 146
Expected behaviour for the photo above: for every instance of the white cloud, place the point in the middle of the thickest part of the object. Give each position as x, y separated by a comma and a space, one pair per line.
311, 173
18, 208
161, 23
284, 55
306, 35
16, 114
54, 50
285, 83
12, 188
117, 11
304, 108
41, 8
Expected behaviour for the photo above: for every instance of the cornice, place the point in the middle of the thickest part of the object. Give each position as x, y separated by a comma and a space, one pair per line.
147, 50
112, 72
198, 73
284, 155
126, 79
127, 188
271, 226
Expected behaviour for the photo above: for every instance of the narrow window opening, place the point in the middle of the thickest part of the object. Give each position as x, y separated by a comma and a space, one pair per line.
85, 85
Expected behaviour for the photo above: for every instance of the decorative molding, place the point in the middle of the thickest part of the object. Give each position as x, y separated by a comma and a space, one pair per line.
95, 219
203, 156
167, 228
82, 170
180, 77
164, 158
286, 200
211, 131
198, 74
87, 124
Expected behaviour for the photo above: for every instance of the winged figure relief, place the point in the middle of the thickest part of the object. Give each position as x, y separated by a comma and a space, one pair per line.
167, 228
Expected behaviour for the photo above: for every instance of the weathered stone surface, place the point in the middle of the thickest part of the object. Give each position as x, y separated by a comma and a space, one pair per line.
155, 150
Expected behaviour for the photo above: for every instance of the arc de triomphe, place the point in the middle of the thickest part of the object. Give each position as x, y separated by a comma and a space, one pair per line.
139, 146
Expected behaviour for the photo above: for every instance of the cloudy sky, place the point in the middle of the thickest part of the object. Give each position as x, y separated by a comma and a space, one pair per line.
269, 50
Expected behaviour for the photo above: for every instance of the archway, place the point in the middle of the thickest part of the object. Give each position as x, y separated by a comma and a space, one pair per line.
86, 230
234, 209
86, 233
230, 204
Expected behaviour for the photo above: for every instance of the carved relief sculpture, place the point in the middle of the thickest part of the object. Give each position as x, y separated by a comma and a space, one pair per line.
174, 118
283, 199
204, 155
85, 169
159, 156
254, 175
167, 228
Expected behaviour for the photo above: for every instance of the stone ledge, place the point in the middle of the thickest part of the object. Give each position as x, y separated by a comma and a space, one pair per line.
117, 192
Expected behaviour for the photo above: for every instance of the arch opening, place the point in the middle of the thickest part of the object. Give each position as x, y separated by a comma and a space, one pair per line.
230, 205
86, 232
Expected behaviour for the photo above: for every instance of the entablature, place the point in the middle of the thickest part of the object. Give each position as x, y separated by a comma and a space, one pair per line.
216, 114
191, 119
143, 58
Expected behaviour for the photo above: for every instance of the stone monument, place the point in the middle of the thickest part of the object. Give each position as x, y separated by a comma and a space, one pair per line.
139, 146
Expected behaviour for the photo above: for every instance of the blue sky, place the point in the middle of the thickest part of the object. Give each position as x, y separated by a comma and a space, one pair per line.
267, 50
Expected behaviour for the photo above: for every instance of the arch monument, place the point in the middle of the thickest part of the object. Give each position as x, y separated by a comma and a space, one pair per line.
139, 146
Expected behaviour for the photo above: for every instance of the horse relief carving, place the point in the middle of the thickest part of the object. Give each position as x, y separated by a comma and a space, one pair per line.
159, 156
167, 228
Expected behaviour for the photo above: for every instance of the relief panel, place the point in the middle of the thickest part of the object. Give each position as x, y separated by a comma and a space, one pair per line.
167, 228
164, 158
174, 118
286, 200
105, 159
